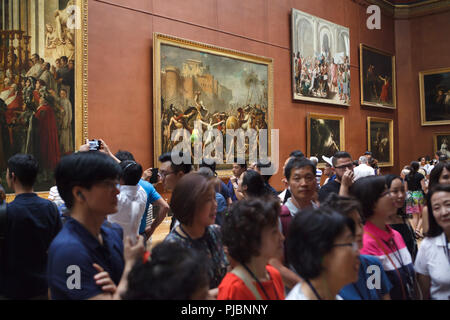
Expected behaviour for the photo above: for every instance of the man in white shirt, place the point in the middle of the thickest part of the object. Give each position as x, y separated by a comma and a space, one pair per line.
363, 170
131, 200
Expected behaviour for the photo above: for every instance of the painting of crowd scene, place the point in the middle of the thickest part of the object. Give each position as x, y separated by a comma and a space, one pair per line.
325, 135
37, 65
380, 140
197, 83
320, 60
435, 96
377, 78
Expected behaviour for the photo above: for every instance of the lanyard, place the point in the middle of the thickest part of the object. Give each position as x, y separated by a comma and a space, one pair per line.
313, 289
446, 248
260, 284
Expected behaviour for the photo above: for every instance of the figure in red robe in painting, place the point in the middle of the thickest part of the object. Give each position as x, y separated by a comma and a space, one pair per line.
14, 104
48, 136
384, 96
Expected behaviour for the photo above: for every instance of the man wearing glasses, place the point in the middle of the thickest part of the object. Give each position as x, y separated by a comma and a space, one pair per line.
343, 166
171, 173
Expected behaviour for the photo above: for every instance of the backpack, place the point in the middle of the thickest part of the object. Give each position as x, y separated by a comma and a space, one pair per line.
285, 218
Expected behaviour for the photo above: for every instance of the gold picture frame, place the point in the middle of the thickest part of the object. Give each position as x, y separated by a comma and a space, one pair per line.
377, 73
189, 75
78, 16
380, 132
329, 126
434, 88
439, 143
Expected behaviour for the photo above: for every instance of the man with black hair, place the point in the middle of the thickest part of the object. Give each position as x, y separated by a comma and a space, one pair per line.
153, 199
171, 173
286, 193
30, 220
343, 167
238, 169
131, 200
88, 243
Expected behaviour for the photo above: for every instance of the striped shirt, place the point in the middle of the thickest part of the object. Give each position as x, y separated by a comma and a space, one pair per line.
390, 249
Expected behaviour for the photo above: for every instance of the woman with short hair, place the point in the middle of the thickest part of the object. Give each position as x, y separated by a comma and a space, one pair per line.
252, 237
433, 259
322, 249
193, 204
381, 240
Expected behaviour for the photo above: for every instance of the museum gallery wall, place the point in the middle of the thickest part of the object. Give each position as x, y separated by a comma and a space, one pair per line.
121, 67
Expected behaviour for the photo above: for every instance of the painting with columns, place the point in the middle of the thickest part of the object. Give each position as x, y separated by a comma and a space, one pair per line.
38, 100
320, 60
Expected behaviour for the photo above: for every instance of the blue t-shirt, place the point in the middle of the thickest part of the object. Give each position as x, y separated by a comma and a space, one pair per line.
152, 196
74, 251
360, 289
231, 191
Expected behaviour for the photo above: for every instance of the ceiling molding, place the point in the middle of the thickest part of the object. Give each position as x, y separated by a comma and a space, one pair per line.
414, 10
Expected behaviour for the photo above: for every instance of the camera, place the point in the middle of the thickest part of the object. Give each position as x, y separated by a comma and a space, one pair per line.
154, 176
94, 145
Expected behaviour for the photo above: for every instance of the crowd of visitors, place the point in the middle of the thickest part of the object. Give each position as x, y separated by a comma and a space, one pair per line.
344, 233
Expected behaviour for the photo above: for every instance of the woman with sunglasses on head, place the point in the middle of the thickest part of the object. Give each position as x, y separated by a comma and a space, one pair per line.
433, 260
381, 240
440, 174
399, 221
360, 290
322, 249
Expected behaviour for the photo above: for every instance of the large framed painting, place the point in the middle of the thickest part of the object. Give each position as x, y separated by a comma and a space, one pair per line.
43, 83
435, 96
441, 143
380, 140
320, 60
377, 78
219, 88
325, 135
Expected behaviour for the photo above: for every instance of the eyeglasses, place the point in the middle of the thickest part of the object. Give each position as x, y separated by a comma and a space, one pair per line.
354, 245
164, 174
350, 166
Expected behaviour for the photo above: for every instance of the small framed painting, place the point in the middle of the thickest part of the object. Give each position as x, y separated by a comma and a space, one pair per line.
380, 140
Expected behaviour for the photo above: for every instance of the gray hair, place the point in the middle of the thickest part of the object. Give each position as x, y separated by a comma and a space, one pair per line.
314, 160
363, 159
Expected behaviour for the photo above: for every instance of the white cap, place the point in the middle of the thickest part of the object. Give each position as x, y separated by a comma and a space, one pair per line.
328, 160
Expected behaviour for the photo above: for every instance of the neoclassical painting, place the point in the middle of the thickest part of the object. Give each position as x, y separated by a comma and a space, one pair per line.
325, 135
441, 143
42, 76
221, 88
380, 140
320, 60
435, 96
377, 78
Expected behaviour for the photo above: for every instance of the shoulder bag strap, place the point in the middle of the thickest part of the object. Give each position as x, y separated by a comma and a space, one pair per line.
242, 274
387, 255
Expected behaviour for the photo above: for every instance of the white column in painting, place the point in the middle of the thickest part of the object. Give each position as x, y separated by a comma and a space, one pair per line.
316, 36
10, 14
3, 15
16, 15
41, 27
33, 18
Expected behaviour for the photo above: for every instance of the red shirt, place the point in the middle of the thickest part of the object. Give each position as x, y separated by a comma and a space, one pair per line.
233, 288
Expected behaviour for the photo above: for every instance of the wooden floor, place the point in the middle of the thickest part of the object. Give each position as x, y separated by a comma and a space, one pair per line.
161, 232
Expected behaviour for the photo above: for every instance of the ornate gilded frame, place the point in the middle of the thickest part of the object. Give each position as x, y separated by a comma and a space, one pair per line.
422, 75
159, 39
81, 84
341, 120
363, 47
391, 139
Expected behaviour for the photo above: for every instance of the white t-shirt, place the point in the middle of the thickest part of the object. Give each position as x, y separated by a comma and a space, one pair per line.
362, 171
297, 294
130, 209
432, 261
